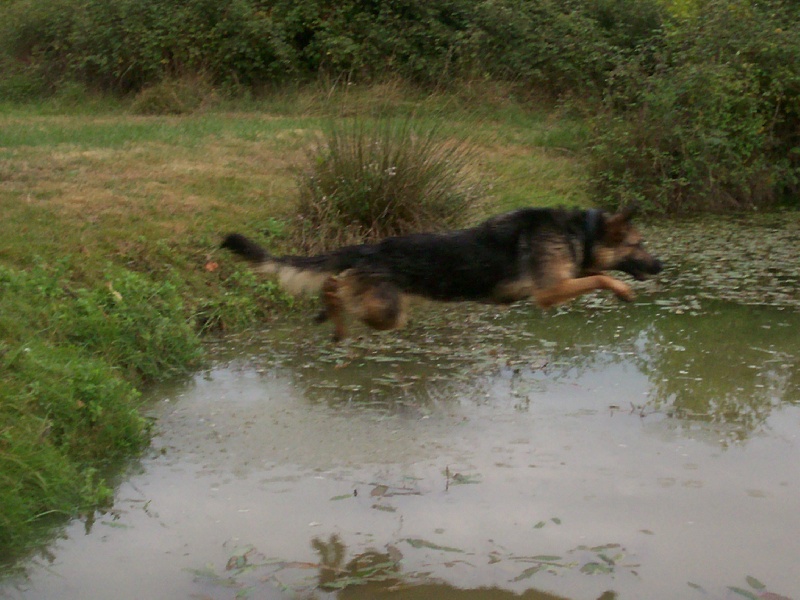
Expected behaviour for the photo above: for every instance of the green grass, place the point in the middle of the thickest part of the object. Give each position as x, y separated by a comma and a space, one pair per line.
109, 268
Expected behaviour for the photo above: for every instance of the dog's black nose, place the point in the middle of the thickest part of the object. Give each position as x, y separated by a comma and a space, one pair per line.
656, 267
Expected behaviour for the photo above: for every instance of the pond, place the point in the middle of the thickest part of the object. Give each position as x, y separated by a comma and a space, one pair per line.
647, 450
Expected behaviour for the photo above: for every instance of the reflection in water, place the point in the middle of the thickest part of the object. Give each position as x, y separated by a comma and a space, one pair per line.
366, 567
733, 366
717, 364
369, 574
443, 591
375, 575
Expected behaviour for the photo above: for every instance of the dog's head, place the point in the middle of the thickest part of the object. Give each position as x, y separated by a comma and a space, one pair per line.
619, 246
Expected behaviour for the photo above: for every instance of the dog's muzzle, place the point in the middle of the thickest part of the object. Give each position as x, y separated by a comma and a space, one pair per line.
641, 269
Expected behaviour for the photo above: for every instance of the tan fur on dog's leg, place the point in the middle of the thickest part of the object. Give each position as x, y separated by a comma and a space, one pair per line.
382, 307
572, 288
333, 308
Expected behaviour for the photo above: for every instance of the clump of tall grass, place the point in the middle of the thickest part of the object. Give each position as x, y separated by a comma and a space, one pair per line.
367, 180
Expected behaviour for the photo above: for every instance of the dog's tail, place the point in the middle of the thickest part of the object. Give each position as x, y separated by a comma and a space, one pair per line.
247, 249
295, 274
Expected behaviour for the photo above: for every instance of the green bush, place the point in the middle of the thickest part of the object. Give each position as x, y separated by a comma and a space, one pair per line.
710, 117
554, 47
367, 181
127, 45
20, 84
699, 140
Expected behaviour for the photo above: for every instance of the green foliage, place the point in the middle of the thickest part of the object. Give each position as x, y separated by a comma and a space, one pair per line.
707, 118
68, 405
126, 45
247, 298
628, 25
556, 47
373, 180
701, 96
87, 410
18, 83
36, 479
134, 323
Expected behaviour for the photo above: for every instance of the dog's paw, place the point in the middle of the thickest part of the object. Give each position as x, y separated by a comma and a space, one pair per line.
623, 291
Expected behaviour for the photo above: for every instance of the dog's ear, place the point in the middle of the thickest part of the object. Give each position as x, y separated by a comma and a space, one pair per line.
629, 211
618, 224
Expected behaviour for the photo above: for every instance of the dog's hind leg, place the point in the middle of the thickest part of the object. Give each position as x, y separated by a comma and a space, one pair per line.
382, 307
333, 307
368, 297
572, 288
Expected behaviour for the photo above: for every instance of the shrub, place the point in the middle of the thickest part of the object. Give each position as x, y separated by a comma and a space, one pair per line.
369, 180
553, 47
126, 45
708, 119
20, 84
698, 140
173, 97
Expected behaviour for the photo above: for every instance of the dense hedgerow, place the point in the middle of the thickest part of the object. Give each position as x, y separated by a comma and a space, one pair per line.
126, 45
708, 118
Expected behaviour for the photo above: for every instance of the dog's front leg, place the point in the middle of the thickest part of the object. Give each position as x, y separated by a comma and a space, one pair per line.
572, 288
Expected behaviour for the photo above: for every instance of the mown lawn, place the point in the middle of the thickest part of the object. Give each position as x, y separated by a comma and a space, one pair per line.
103, 181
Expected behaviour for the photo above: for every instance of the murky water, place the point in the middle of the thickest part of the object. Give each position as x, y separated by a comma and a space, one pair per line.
602, 451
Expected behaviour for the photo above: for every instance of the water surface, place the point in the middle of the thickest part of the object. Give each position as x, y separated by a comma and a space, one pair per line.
648, 450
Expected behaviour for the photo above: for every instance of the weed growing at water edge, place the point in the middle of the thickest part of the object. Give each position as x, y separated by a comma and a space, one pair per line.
247, 299
133, 322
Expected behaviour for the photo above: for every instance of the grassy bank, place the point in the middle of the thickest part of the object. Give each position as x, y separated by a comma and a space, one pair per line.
109, 272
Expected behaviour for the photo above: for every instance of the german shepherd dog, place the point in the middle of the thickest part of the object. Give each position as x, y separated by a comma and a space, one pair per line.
550, 255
